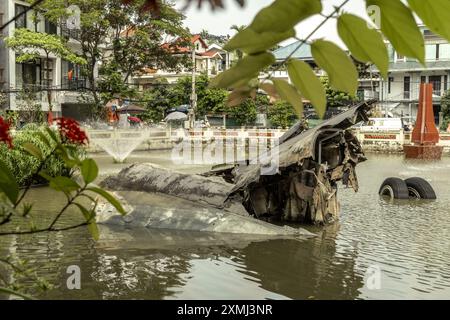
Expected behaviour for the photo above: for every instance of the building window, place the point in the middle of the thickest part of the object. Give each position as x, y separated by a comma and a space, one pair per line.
50, 27
407, 88
390, 80
71, 76
28, 74
423, 79
445, 83
430, 52
400, 57
436, 81
21, 22
444, 51
47, 73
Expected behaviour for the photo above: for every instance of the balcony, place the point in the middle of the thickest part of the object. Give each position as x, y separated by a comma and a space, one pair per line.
74, 84
70, 33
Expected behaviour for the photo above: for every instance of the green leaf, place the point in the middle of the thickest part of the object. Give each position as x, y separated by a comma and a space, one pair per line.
337, 64
283, 15
43, 138
46, 176
52, 134
400, 27
269, 88
89, 170
93, 229
366, 44
238, 96
26, 209
12, 292
435, 14
108, 197
64, 184
8, 184
33, 150
251, 42
89, 216
288, 93
308, 84
246, 69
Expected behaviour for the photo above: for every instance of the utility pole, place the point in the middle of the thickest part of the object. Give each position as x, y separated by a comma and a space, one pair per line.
194, 94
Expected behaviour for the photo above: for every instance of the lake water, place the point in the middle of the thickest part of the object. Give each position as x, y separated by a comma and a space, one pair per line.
378, 250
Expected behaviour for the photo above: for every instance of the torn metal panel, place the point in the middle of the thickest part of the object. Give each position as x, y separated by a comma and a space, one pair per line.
303, 188
310, 163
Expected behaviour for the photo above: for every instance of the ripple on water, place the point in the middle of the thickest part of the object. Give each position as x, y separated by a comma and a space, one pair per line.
409, 241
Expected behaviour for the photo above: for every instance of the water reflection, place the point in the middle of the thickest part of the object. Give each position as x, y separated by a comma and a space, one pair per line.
408, 241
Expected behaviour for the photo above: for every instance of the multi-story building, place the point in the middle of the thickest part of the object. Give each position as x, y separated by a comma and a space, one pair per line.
62, 77
399, 94
209, 59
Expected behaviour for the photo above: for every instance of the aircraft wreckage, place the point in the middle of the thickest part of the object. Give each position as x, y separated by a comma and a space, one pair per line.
241, 199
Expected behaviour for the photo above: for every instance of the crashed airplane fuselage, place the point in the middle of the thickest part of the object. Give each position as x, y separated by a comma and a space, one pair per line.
302, 188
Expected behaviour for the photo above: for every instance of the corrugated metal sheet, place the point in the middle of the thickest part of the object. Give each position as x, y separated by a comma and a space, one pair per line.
304, 53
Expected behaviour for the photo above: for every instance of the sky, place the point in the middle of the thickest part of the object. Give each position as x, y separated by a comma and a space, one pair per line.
220, 21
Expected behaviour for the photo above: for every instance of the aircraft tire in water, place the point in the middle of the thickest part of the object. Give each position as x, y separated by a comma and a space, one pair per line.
395, 188
420, 188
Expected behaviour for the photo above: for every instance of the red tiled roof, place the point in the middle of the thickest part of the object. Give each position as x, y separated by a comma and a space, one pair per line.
181, 49
210, 53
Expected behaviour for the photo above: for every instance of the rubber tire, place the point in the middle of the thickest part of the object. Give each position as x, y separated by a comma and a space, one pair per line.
396, 187
423, 188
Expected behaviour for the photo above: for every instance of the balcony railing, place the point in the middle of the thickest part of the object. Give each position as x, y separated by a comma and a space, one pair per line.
73, 84
70, 33
407, 95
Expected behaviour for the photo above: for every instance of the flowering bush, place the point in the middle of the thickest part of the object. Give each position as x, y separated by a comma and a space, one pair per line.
23, 165
49, 144
5, 136
70, 131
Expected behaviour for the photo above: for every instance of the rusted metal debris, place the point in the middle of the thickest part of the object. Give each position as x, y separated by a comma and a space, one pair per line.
310, 163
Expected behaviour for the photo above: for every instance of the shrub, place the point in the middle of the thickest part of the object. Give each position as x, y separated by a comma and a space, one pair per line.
22, 164
281, 114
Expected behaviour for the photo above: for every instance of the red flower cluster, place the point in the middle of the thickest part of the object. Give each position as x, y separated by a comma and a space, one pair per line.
71, 131
4, 132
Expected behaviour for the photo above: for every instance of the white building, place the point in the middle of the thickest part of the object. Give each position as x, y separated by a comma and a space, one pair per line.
399, 93
65, 78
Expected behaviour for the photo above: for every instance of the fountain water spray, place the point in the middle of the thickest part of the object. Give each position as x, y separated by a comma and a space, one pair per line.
119, 143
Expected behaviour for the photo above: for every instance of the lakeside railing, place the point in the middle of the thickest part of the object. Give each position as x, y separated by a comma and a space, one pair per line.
388, 141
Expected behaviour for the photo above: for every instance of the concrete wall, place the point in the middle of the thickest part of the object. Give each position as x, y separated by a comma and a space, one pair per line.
393, 141
383, 142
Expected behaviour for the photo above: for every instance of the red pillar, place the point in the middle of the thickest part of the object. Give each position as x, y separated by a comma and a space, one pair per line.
425, 134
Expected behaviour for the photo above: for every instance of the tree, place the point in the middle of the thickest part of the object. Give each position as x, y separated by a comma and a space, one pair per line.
276, 23
281, 114
445, 109
29, 106
28, 45
238, 29
244, 113
183, 89
335, 98
212, 101
158, 100
133, 36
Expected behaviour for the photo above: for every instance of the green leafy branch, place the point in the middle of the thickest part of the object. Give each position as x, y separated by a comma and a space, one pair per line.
365, 44
72, 189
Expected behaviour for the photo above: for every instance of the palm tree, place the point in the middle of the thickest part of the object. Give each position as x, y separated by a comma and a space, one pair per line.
238, 29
